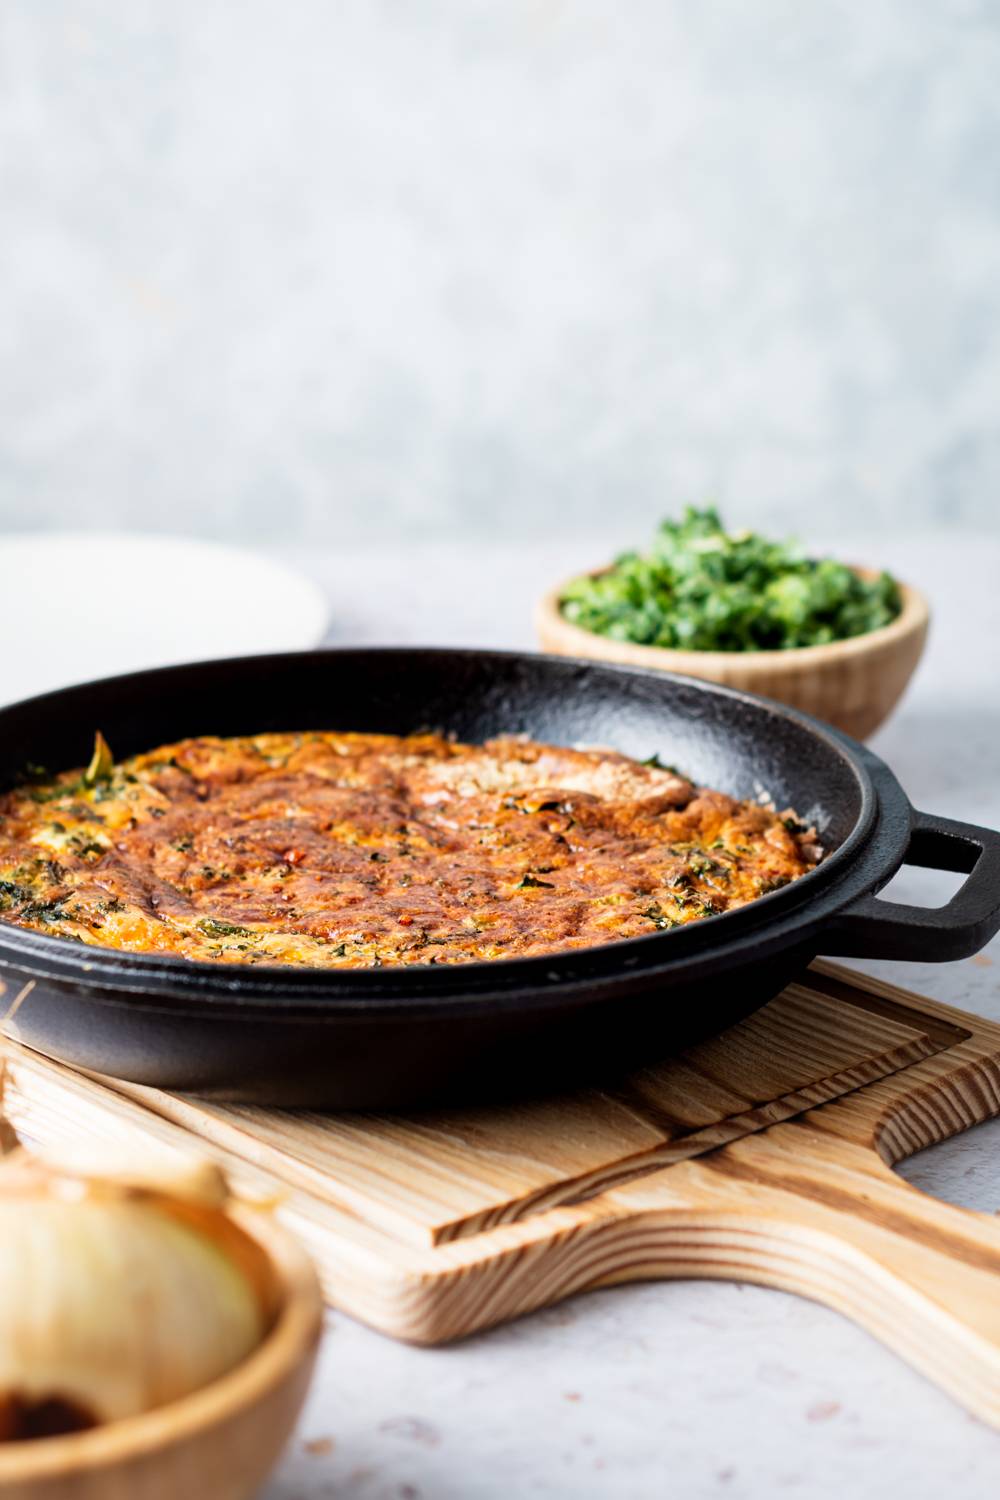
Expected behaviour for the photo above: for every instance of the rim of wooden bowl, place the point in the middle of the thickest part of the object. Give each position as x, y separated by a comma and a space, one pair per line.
290, 1340
913, 617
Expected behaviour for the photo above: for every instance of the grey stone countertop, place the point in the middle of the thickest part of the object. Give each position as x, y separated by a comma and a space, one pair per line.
684, 1388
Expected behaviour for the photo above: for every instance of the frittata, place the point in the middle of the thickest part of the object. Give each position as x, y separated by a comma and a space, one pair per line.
341, 850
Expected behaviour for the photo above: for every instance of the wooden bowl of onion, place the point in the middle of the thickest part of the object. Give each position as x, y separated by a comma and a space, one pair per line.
157, 1338
837, 641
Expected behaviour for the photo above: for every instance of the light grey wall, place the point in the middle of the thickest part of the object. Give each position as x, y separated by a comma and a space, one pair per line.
302, 269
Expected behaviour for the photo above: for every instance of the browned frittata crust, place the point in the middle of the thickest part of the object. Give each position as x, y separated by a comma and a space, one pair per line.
356, 850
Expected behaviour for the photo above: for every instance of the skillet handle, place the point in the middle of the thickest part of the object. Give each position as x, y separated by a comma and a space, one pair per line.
873, 928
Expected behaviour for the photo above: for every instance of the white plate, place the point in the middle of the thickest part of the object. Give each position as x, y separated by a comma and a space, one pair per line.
90, 604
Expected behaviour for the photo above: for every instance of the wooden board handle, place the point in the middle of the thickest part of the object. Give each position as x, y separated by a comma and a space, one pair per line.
809, 1212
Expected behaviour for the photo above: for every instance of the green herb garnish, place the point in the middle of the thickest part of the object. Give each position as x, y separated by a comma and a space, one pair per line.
102, 762
44, 911
216, 928
531, 883
658, 765
12, 894
700, 588
658, 917
85, 847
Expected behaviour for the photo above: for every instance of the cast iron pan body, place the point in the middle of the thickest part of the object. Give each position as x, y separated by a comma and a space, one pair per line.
389, 1037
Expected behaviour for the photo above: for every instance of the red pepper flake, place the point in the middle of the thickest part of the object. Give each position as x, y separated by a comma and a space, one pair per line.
293, 856
405, 920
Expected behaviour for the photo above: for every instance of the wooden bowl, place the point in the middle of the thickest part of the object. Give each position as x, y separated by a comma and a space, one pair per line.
853, 684
219, 1443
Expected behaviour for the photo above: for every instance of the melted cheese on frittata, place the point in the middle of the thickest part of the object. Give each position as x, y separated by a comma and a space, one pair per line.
357, 850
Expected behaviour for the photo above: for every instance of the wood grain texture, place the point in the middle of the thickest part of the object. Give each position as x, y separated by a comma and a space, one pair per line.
440, 1175
764, 1155
854, 684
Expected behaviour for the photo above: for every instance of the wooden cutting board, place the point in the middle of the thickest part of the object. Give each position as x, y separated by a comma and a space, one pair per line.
762, 1155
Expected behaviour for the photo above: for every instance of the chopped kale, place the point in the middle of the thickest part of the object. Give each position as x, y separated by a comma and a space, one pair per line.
659, 917
215, 928
700, 588
53, 793
659, 765
84, 847
44, 911
12, 894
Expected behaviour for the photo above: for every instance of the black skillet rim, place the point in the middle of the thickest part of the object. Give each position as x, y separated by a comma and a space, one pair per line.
144, 978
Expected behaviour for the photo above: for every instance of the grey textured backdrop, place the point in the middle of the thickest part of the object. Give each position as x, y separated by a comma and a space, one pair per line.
306, 270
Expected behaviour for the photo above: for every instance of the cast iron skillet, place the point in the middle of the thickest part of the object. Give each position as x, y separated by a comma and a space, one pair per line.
389, 1036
